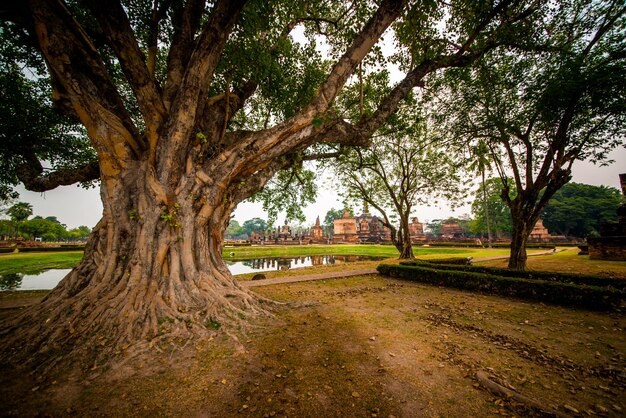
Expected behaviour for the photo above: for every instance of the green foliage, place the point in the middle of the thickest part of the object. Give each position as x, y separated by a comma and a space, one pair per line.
234, 230
253, 224
499, 213
580, 279
579, 209
169, 216
288, 191
20, 211
30, 129
213, 324
44, 228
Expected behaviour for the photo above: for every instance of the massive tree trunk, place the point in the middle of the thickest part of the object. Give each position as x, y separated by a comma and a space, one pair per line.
148, 271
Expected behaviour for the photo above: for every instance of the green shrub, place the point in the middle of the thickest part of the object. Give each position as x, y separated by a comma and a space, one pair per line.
531, 275
567, 294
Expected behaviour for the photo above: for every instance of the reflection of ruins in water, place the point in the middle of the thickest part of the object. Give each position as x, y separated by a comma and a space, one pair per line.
286, 263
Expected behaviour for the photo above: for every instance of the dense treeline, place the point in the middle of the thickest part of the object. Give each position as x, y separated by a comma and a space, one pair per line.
47, 229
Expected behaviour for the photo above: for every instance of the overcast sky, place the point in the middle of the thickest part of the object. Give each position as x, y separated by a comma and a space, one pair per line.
75, 206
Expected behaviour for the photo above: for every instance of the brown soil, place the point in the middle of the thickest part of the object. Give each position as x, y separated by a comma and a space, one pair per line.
363, 346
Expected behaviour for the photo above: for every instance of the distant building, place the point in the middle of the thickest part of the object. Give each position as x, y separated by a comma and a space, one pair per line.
362, 228
539, 232
316, 235
451, 230
416, 230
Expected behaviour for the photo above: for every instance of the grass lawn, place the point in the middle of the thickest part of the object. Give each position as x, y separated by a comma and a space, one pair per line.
33, 262
570, 262
371, 250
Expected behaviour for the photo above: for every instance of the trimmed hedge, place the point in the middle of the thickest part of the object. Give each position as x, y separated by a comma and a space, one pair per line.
567, 294
551, 276
6, 250
463, 261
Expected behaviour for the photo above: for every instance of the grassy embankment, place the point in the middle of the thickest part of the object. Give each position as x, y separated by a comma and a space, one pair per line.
33, 262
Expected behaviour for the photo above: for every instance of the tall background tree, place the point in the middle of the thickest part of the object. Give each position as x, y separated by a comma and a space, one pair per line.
254, 224
579, 209
403, 169
19, 212
480, 163
562, 100
500, 215
192, 107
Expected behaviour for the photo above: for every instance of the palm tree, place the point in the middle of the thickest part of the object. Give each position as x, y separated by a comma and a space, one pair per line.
480, 164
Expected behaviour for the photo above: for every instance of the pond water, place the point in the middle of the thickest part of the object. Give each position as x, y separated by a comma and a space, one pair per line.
287, 263
45, 280
49, 278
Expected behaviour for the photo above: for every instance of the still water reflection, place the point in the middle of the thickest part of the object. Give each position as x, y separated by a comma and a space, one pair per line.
45, 280
287, 263
48, 279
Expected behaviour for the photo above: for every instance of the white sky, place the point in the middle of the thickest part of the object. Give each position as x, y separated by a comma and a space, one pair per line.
75, 206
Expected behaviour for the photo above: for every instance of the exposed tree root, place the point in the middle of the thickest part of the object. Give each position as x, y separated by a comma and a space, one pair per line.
504, 392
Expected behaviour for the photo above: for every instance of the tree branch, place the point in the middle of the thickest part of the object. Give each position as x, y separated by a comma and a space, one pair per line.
116, 27
80, 70
185, 21
192, 93
31, 174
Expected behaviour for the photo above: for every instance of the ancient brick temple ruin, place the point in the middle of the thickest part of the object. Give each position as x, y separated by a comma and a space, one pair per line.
611, 244
451, 230
362, 228
284, 235
416, 230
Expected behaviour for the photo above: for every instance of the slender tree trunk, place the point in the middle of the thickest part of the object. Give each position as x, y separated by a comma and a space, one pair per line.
150, 275
521, 231
485, 203
404, 244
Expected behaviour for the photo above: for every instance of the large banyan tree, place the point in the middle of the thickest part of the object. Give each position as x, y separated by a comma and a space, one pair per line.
191, 107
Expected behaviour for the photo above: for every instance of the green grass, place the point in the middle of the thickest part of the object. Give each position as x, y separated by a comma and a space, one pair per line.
570, 262
32, 263
371, 250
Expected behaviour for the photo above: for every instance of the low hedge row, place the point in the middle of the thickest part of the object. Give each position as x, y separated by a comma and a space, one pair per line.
567, 294
551, 276
6, 250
